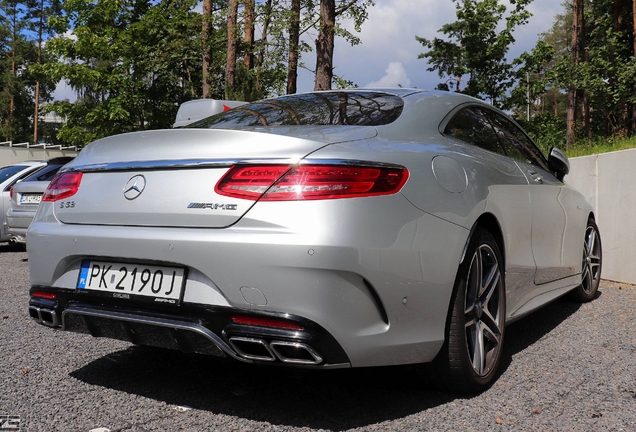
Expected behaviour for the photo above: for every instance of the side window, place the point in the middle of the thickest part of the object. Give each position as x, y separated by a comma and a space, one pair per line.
517, 144
472, 126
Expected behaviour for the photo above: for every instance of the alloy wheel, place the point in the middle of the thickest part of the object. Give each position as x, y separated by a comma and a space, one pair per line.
483, 312
591, 260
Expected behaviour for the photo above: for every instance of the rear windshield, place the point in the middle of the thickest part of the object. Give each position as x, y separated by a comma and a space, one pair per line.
45, 174
319, 109
10, 171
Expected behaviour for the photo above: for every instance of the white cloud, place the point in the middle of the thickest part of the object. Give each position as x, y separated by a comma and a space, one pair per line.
395, 76
389, 36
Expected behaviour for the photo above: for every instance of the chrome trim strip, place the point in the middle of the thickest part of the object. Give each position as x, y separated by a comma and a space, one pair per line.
310, 350
161, 322
215, 163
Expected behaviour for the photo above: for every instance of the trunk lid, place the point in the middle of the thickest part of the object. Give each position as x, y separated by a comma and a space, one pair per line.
166, 178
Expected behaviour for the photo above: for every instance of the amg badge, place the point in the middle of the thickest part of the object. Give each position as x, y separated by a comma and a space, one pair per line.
213, 206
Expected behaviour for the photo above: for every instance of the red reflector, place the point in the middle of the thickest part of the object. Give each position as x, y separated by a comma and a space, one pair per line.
63, 186
266, 322
45, 295
309, 182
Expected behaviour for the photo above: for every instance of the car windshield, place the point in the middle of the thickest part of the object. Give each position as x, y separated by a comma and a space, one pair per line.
318, 109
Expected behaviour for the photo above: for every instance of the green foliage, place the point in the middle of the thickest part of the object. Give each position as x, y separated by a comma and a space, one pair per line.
546, 129
477, 46
601, 145
605, 75
18, 52
132, 64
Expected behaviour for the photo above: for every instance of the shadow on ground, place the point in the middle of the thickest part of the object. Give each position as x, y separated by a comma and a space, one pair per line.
6, 247
335, 399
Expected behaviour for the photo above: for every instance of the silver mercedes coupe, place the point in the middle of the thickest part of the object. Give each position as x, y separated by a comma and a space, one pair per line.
345, 228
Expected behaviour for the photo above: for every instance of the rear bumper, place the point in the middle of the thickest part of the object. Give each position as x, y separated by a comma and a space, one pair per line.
209, 331
380, 286
18, 222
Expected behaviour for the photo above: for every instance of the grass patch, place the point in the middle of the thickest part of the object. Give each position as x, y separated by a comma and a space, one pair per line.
583, 148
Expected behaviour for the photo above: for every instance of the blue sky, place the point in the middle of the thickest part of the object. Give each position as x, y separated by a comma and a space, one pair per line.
388, 53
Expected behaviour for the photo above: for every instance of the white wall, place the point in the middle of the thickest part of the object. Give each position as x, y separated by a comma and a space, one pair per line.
12, 155
608, 181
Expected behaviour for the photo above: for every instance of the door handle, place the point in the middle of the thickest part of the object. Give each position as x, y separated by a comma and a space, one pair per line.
536, 177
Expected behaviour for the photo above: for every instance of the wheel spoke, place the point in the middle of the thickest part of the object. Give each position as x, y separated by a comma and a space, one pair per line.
491, 324
478, 353
588, 280
591, 240
490, 285
474, 277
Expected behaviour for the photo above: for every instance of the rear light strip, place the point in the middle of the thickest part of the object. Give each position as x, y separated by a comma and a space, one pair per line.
266, 322
309, 182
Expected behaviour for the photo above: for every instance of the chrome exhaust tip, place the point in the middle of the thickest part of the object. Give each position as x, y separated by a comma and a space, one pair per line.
46, 317
252, 349
296, 353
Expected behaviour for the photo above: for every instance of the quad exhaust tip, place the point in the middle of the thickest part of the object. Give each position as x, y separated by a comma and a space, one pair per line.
43, 316
285, 351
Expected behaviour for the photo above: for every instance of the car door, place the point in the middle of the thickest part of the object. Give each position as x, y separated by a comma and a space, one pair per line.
508, 197
548, 195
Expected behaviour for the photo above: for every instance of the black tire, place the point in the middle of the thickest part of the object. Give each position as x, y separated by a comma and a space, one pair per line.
469, 358
591, 266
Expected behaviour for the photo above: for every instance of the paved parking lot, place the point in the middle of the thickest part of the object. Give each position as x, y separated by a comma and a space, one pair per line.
566, 367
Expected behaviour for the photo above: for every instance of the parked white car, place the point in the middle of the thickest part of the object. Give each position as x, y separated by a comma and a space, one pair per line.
25, 196
9, 175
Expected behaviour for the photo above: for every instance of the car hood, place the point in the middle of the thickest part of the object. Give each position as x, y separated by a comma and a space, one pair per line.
177, 171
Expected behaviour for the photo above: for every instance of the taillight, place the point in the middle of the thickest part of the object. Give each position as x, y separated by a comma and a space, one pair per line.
309, 182
63, 186
267, 322
44, 295
11, 193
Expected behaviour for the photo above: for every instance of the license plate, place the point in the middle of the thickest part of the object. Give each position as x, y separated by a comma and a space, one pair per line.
154, 283
30, 198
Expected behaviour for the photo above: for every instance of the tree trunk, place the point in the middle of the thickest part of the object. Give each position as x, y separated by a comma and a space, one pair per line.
248, 38
325, 45
206, 34
585, 113
36, 114
263, 43
577, 20
585, 108
294, 38
230, 67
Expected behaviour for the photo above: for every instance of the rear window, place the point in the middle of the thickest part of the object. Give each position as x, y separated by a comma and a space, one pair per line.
10, 171
45, 174
319, 109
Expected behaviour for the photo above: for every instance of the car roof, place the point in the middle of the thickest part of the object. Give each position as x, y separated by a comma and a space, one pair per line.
29, 163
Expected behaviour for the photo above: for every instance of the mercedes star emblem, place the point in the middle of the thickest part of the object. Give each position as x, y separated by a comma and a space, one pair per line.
134, 187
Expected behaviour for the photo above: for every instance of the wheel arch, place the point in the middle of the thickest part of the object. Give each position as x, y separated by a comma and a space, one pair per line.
489, 222
447, 363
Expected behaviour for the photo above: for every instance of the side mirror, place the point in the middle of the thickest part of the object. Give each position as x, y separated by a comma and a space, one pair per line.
559, 163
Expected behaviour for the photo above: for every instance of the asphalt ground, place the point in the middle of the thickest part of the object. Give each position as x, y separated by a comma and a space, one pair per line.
567, 367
